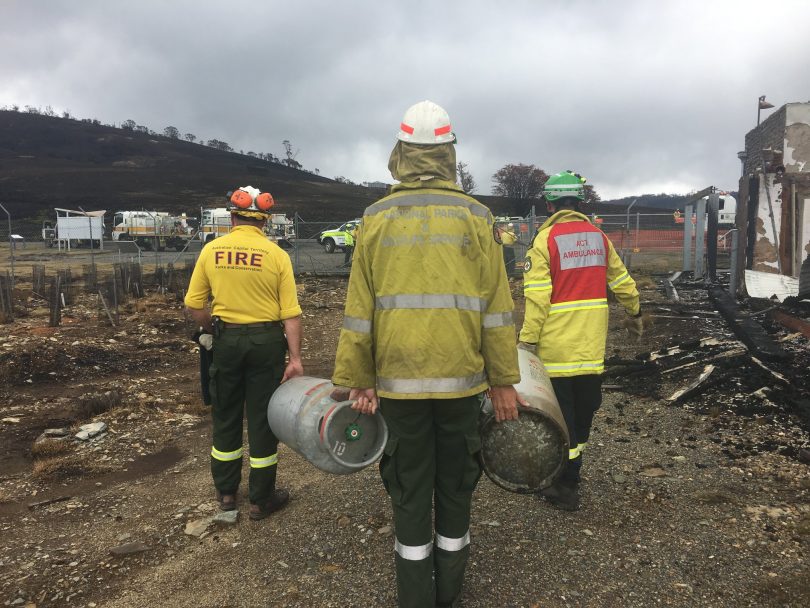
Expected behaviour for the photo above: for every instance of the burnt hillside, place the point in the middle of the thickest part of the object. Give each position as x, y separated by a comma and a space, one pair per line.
48, 162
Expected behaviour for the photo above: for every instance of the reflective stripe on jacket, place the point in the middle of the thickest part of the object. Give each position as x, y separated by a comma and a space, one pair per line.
568, 270
428, 312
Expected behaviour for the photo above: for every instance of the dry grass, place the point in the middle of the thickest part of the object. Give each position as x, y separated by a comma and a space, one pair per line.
716, 497
61, 467
645, 283
93, 404
57, 467
656, 262
786, 590
150, 302
195, 409
48, 448
803, 525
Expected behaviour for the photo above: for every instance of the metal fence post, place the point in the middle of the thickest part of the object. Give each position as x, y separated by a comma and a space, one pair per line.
688, 231
712, 209
296, 248
92, 249
10, 246
732, 280
700, 238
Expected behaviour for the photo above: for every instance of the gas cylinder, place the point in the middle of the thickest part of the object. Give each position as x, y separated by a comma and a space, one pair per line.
527, 454
328, 433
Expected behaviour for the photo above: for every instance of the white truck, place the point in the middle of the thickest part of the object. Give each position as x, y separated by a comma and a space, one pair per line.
217, 222
726, 210
74, 229
214, 223
152, 229
727, 213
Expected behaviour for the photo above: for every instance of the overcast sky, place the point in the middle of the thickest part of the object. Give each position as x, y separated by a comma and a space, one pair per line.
638, 96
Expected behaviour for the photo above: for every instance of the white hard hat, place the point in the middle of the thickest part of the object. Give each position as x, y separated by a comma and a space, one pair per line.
426, 123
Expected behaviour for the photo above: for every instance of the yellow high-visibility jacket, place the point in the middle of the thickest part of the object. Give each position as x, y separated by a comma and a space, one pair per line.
428, 312
508, 238
566, 275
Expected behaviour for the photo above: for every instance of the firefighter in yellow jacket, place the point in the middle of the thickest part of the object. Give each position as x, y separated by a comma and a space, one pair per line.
567, 272
256, 322
508, 238
427, 328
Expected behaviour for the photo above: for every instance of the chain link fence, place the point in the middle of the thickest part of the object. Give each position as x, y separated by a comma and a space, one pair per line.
646, 242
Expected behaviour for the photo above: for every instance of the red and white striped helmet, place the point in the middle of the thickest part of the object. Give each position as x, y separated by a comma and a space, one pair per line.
426, 123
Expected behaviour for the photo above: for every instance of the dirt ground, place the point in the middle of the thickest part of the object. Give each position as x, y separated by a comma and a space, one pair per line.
698, 502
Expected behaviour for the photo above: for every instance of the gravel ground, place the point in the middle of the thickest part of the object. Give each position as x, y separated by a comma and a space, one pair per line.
704, 503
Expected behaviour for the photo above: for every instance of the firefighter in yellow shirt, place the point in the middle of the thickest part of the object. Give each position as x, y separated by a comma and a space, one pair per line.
428, 327
254, 305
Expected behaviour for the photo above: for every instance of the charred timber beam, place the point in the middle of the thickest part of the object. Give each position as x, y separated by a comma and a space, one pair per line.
694, 388
791, 322
745, 328
672, 293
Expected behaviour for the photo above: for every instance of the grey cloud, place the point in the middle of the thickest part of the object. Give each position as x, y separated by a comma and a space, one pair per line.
632, 93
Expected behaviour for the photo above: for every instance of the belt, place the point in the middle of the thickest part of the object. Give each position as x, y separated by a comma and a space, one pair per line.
253, 325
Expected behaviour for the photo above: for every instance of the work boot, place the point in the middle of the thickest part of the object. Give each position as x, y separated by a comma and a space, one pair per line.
227, 501
563, 495
277, 502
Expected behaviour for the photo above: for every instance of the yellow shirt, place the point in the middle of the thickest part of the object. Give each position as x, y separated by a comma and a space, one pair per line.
250, 278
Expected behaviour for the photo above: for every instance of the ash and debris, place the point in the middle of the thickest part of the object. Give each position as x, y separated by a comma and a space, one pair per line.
698, 502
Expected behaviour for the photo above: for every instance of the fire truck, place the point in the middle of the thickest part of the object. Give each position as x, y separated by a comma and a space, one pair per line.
217, 222
152, 229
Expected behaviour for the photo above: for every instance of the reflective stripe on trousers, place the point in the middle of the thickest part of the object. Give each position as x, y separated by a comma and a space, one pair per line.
430, 385
576, 452
413, 553
260, 463
225, 456
452, 544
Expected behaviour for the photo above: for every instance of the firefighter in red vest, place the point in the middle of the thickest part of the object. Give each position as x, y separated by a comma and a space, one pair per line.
566, 275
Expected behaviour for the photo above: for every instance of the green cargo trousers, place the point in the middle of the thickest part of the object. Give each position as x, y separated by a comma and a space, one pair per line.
247, 368
431, 459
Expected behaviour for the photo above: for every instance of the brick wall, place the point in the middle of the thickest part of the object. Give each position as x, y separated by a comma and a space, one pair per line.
770, 133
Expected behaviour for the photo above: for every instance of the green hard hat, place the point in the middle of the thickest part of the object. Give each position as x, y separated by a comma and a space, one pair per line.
564, 185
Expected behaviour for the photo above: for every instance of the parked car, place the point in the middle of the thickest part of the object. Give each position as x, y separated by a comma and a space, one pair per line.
336, 238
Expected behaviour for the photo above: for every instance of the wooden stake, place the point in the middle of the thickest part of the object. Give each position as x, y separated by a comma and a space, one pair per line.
107, 310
